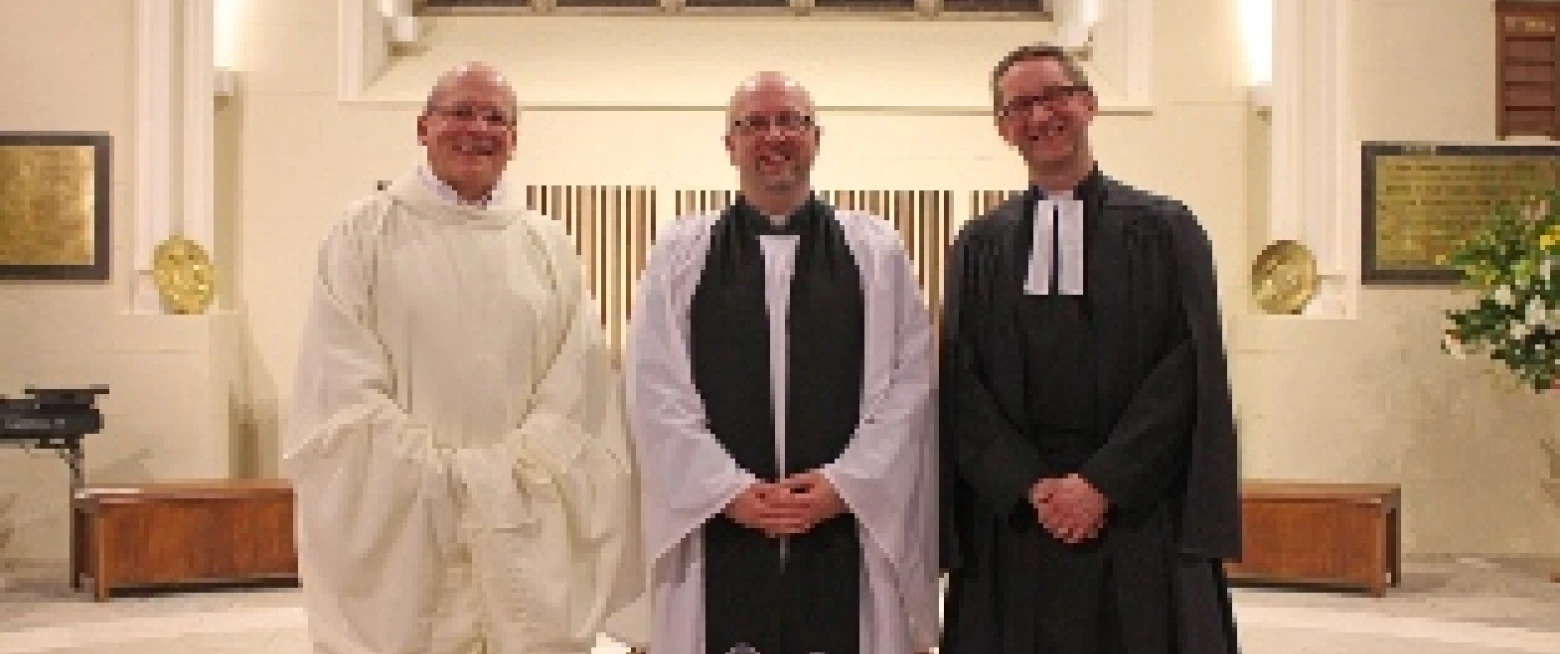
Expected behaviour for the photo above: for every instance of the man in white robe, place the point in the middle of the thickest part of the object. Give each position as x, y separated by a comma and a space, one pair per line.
456, 442
781, 396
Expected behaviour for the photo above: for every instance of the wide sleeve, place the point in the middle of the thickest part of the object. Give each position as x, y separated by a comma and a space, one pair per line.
887, 475
371, 490
989, 453
688, 475
565, 473
1180, 419
1210, 524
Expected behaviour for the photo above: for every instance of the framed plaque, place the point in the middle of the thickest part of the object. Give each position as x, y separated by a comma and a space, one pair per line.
1423, 199
54, 205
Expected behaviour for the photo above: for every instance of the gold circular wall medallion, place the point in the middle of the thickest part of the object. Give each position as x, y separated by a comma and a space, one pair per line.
184, 275
1283, 278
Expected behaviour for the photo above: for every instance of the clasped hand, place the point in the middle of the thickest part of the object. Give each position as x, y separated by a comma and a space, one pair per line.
1070, 508
788, 507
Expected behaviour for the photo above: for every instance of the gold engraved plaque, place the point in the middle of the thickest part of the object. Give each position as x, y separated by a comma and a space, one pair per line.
53, 206
1283, 278
1423, 200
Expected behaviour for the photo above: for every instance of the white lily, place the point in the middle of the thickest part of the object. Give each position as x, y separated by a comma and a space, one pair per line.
1536, 312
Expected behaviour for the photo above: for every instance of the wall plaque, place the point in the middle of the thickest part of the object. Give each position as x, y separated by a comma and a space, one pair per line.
1422, 199
54, 202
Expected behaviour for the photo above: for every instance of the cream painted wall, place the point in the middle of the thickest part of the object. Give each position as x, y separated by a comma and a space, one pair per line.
1373, 398
70, 66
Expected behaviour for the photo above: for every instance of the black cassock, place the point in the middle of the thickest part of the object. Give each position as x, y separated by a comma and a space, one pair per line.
1125, 385
808, 599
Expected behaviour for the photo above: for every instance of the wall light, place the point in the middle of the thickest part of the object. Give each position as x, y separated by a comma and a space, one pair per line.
1256, 29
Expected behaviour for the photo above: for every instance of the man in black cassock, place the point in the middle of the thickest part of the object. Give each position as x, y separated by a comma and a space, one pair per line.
1089, 465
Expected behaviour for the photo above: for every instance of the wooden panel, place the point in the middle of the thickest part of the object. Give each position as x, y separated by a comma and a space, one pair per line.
1335, 534
1530, 50
1304, 539
1528, 81
462, 4
184, 533
1527, 21
1530, 95
865, 5
1530, 73
608, 4
737, 4
1529, 122
1002, 6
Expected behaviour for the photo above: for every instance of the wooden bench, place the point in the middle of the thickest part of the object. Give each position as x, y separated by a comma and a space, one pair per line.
187, 532
1320, 533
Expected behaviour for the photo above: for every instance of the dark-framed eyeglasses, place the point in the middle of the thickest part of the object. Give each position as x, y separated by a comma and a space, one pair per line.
490, 116
1051, 98
789, 123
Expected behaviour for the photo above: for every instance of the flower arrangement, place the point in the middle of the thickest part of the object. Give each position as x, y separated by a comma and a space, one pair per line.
1515, 266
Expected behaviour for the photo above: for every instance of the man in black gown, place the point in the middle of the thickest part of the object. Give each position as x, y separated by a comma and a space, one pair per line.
1090, 484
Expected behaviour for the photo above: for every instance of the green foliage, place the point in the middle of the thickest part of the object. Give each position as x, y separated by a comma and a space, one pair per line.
1514, 264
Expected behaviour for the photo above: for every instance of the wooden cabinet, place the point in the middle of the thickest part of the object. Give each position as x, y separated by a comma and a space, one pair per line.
1528, 78
182, 533
1320, 533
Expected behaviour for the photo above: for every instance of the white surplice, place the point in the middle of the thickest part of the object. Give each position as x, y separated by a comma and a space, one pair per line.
456, 439
887, 474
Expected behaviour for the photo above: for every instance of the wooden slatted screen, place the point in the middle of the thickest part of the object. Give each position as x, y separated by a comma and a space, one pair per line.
925, 223
1527, 95
612, 226
984, 201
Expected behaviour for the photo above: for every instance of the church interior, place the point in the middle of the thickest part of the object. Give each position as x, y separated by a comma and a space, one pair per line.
1399, 496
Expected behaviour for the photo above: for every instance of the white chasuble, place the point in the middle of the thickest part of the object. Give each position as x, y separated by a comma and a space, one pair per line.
456, 439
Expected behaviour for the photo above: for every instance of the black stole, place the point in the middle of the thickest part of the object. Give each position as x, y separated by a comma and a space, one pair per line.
809, 601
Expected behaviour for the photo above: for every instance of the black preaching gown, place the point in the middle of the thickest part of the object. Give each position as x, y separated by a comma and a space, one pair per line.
808, 598
1125, 385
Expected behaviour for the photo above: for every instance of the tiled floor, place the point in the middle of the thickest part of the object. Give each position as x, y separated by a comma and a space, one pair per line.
1466, 606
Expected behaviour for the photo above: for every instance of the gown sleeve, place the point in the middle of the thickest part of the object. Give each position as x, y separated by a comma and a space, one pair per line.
688, 475
371, 488
988, 452
887, 475
1177, 431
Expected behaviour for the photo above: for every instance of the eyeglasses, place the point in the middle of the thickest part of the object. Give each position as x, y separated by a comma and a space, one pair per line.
490, 116
1051, 98
788, 123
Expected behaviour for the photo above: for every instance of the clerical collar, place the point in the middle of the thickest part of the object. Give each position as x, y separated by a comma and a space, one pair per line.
448, 194
765, 224
1086, 187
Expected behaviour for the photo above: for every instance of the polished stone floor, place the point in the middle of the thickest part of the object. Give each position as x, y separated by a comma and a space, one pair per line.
1444, 606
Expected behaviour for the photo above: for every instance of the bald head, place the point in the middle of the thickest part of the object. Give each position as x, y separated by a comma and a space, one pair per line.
471, 73
468, 129
768, 83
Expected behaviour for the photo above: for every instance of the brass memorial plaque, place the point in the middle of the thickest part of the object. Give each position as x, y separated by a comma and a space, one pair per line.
1422, 200
53, 206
